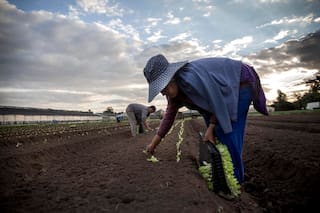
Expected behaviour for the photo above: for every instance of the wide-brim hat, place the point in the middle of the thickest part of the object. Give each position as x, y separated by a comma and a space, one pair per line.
159, 72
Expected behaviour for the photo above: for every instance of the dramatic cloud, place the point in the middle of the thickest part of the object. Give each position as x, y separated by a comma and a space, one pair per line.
57, 53
91, 54
288, 66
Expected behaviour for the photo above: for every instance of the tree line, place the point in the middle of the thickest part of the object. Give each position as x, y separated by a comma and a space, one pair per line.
312, 95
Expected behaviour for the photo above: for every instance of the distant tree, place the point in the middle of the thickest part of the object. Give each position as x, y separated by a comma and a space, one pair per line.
282, 104
108, 111
298, 103
282, 97
313, 95
314, 84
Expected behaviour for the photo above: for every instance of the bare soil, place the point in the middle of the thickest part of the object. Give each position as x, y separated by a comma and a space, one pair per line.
104, 170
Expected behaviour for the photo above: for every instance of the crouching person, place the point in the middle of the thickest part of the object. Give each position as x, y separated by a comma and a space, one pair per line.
137, 116
221, 89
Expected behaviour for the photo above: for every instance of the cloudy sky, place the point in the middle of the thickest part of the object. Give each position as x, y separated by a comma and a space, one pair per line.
89, 54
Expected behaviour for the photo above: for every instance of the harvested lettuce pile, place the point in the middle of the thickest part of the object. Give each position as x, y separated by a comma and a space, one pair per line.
206, 171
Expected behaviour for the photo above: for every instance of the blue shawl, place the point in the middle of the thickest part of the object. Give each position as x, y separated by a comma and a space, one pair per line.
213, 85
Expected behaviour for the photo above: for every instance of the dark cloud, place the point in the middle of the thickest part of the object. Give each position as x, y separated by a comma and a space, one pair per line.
302, 53
290, 65
307, 49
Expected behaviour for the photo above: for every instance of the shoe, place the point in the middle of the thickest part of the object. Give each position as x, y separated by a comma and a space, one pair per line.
226, 196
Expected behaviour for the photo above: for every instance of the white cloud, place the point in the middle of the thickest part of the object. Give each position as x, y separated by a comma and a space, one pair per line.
272, 1
258, 2
172, 19
100, 7
293, 20
208, 11
127, 30
154, 21
217, 41
180, 37
186, 18
282, 34
201, 1
233, 47
205, 6
156, 36
74, 12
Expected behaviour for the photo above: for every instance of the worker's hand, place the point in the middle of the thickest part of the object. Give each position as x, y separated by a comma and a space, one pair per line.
154, 143
209, 135
150, 148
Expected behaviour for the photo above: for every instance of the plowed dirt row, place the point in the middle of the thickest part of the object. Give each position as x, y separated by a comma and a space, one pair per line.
107, 172
307, 122
282, 160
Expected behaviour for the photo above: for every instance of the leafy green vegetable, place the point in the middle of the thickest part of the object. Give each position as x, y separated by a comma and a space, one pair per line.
153, 159
179, 142
206, 171
232, 182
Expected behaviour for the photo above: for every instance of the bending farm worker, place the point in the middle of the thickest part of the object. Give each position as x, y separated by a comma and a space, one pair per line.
221, 89
137, 116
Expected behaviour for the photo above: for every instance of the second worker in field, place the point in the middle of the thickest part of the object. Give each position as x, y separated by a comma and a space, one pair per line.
137, 116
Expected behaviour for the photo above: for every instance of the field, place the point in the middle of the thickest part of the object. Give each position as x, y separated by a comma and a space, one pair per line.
97, 168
